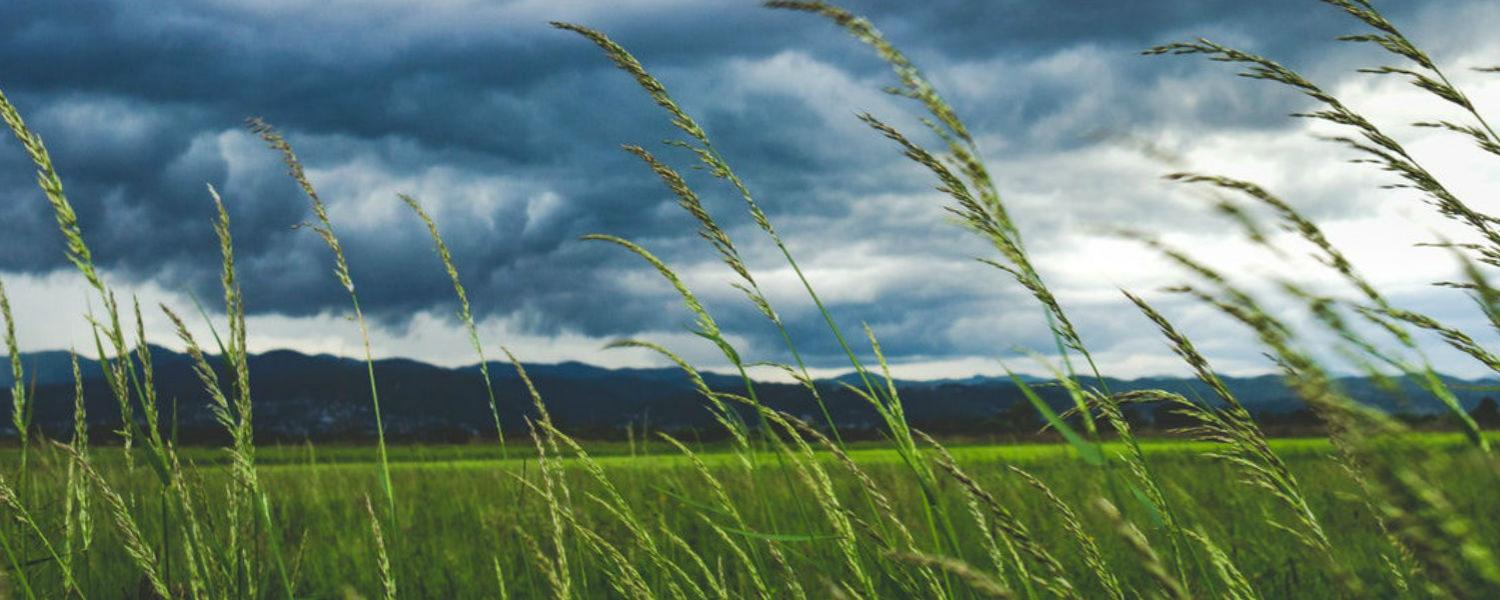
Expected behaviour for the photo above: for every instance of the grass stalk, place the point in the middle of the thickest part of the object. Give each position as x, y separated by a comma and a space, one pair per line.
464, 314
324, 229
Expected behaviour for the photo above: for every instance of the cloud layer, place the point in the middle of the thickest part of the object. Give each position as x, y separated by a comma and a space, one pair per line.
509, 130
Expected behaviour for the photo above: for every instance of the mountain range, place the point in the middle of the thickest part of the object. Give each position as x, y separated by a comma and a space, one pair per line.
322, 397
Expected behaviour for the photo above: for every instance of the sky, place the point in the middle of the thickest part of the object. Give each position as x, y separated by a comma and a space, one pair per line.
509, 131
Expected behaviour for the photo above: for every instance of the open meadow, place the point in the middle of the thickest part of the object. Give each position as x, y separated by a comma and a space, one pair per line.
781, 505
464, 511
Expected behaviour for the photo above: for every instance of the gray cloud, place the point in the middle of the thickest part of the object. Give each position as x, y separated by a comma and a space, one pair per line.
509, 131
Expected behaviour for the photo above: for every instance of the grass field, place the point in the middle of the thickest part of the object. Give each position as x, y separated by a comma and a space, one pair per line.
461, 506
784, 508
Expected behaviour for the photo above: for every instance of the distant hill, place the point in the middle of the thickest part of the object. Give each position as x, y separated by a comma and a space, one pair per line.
298, 396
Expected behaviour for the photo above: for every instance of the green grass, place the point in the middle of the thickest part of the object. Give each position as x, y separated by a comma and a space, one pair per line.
622, 453
459, 505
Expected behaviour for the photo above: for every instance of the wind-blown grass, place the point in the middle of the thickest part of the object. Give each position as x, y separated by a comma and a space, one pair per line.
787, 508
464, 313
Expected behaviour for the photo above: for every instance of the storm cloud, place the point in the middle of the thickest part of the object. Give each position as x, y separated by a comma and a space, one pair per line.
509, 131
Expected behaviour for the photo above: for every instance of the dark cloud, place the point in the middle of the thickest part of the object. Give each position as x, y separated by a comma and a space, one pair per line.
509, 130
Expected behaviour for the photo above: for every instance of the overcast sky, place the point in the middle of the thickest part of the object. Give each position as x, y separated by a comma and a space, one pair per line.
509, 131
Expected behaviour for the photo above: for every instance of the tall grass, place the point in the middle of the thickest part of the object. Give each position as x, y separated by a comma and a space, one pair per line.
790, 509
464, 313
